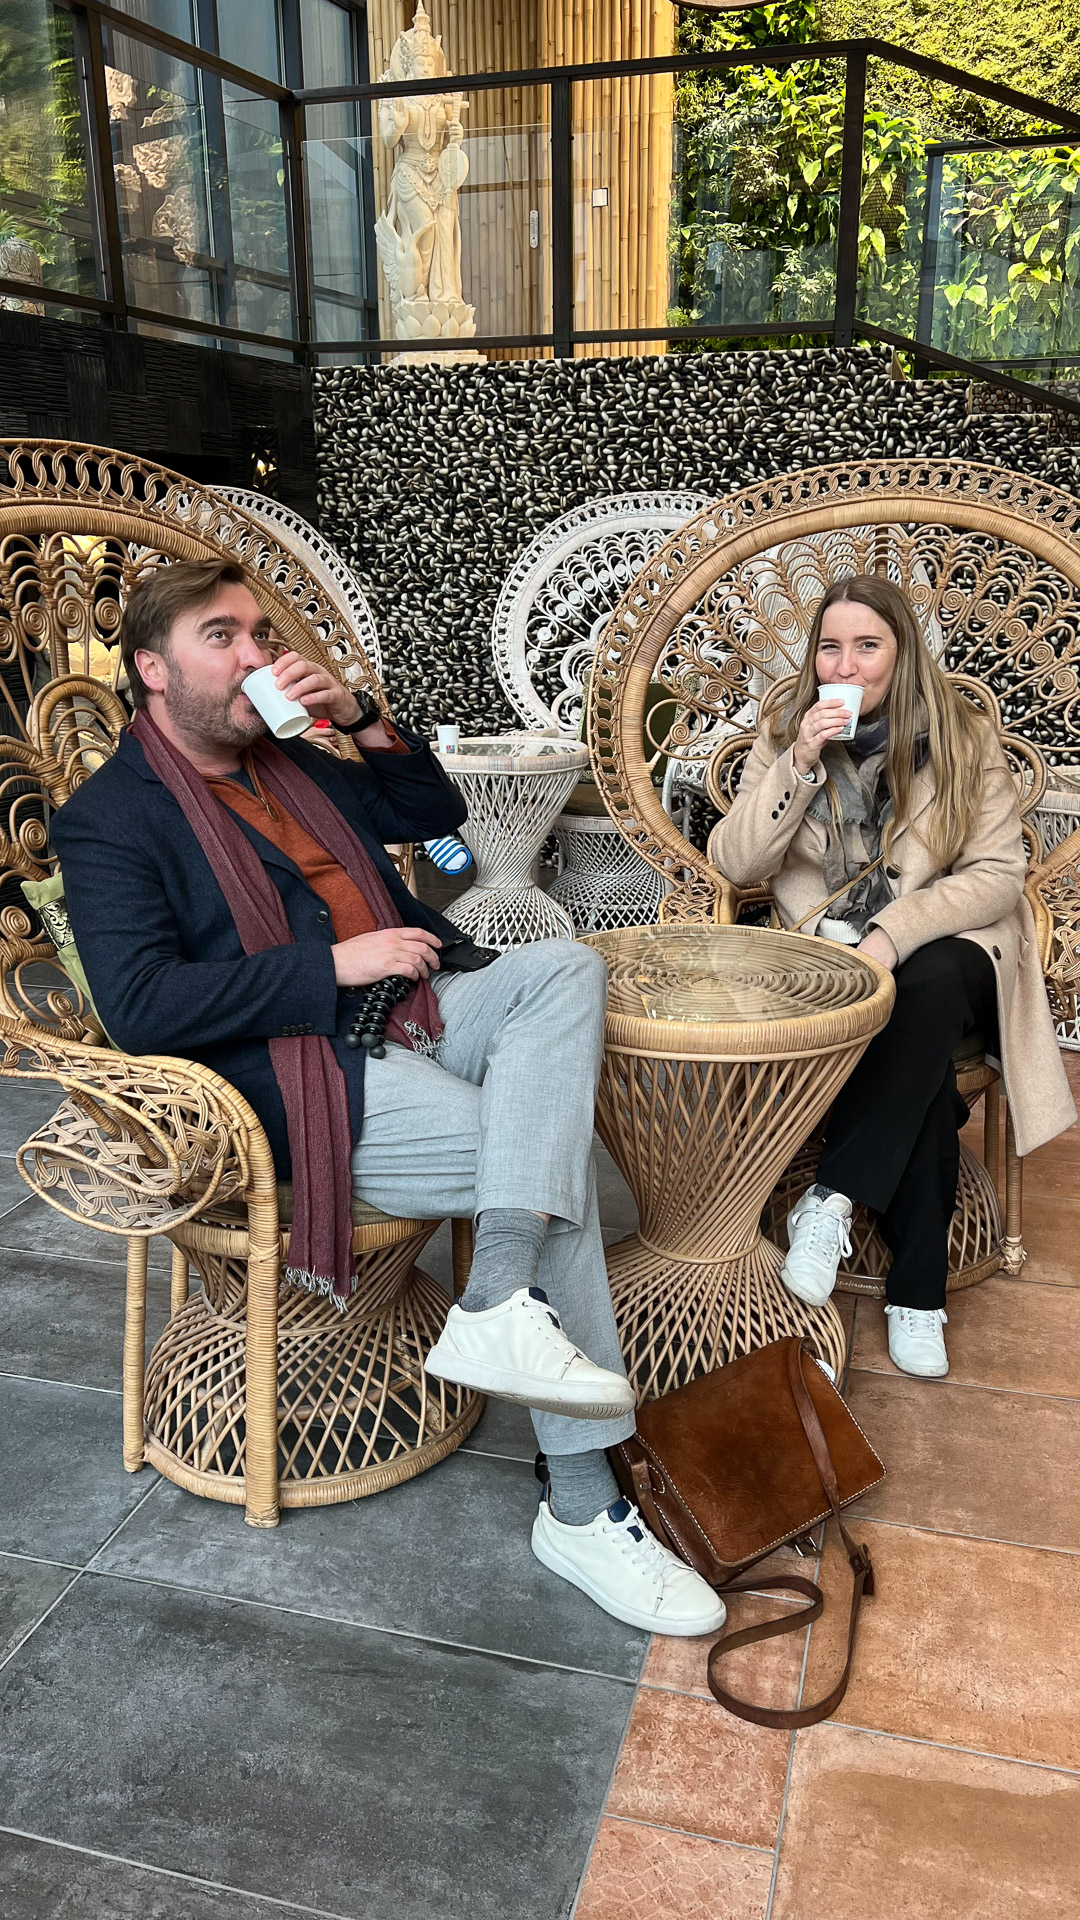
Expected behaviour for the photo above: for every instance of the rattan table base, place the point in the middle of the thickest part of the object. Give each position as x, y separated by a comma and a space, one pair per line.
356, 1411
724, 1049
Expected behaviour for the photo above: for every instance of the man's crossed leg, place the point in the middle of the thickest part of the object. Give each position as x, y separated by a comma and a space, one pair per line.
500, 1128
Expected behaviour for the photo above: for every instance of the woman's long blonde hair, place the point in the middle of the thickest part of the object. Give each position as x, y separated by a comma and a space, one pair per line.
956, 735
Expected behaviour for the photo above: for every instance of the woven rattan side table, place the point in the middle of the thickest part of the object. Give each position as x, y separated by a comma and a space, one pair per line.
724, 1047
516, 788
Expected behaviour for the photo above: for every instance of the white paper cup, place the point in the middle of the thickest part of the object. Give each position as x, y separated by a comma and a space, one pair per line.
852, 699
284, 717
448, 738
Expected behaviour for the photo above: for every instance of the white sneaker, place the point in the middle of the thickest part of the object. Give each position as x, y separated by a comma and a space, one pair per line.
817, 1241
916, 1342
626, 1570
518, 1351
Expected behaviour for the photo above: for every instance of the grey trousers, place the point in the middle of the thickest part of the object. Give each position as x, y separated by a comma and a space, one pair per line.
504, 1118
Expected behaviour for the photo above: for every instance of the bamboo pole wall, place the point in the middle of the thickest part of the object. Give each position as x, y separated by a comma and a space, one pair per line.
623, 143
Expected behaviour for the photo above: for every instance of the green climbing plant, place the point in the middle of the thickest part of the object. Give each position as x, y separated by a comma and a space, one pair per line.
753, 235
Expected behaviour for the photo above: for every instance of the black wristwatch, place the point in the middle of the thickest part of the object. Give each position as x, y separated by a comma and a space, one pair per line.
367, 717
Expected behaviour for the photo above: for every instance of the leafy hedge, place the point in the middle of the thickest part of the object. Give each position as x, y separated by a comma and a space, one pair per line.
755, 214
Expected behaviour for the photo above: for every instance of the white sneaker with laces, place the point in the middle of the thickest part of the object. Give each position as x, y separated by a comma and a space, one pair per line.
518, 1351
818, 1238
626, 1570
916, 1342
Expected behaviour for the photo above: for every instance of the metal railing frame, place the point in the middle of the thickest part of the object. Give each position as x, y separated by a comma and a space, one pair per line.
843, 328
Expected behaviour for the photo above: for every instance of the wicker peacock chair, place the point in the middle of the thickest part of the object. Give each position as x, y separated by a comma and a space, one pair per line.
721, 615
254, 1394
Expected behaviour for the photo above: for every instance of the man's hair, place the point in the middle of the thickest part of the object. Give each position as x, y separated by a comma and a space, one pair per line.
156, 605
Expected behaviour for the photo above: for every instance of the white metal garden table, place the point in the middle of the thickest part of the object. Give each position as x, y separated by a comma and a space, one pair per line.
516, 786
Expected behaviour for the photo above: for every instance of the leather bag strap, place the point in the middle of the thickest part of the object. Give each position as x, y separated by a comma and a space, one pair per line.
862, 1582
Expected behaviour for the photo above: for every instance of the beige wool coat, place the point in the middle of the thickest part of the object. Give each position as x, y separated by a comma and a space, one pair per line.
767, 836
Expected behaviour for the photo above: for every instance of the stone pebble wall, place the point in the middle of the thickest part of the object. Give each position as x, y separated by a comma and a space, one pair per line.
432, 480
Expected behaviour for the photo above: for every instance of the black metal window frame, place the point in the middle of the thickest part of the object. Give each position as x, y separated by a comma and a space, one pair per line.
295, 99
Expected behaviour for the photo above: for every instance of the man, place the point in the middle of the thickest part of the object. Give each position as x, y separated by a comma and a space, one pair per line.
229, 896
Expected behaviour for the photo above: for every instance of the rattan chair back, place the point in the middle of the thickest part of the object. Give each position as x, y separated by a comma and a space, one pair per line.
721, 616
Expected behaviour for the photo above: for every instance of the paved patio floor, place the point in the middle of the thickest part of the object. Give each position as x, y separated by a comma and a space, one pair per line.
388, 1710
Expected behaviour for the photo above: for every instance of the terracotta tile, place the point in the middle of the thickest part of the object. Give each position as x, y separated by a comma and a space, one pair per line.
999, 1335
767, 1672
642, 1873
880, 1827
998, 1464
1052, 1240
1053, 1171
965, 1641
688, 1764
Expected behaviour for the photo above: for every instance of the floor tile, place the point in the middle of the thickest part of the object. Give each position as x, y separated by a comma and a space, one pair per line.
504, 1428
35, 1227
24, 1106
63, 1488
1052, 1241
965, 1641
767, 1672
1053, 1171
64, 1320
1001, 1465
446, 1555
13, 1188
878, 1827
688, 1764
28, 1589
379, 1777
43, 1882
999, 1335
643, 1873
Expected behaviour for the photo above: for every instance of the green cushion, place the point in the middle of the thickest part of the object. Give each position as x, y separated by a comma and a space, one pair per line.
47, 899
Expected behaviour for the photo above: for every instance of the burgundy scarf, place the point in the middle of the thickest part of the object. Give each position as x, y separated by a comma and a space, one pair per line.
311, 1082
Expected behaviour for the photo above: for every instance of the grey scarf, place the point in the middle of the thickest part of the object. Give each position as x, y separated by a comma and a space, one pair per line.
856, 769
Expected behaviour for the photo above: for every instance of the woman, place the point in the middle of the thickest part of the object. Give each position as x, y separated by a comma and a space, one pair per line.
918, 815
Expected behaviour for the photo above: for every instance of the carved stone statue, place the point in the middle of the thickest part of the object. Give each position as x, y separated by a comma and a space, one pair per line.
419, 234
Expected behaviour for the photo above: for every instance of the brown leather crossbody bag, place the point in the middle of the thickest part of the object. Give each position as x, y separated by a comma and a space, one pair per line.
740, 1462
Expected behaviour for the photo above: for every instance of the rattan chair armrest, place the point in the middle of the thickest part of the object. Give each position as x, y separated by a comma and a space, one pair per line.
138, 1144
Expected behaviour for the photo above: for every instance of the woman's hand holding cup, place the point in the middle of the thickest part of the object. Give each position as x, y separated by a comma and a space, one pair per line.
829, 720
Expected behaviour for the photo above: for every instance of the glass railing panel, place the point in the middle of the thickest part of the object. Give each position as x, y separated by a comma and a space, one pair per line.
49, 228
433, 227
201, 185
969, 237
708, 197
254, 159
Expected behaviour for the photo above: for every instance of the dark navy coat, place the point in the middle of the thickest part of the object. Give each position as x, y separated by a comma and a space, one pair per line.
159, 944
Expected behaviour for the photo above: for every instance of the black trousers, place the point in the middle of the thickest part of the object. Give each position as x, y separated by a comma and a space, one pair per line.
893, 1135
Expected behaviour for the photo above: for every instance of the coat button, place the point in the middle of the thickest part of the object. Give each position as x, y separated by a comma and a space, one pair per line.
322, 914
775, 815
996, 952
787, 796
892, 873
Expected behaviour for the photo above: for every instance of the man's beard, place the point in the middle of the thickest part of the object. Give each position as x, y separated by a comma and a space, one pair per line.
206, 719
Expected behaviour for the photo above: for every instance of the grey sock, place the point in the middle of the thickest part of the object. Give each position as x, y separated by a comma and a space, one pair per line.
582, 1485
819, 1192
506, 1256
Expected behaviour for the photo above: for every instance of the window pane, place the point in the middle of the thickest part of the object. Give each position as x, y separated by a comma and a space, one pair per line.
248, 36
164, 174
328, 47
168, 16
200, 173
48, 223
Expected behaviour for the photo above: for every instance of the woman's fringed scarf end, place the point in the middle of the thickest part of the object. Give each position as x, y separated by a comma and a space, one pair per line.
322, 1284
